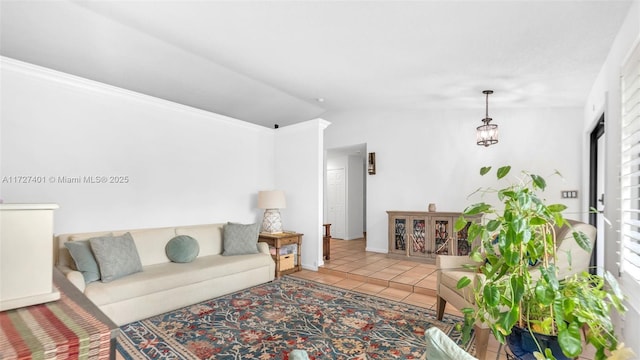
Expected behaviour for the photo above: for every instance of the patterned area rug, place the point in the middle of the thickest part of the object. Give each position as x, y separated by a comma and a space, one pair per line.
270, 320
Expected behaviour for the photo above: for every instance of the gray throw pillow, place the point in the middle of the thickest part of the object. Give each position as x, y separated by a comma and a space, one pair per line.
182, 249
116, 256
240, 239
85, 261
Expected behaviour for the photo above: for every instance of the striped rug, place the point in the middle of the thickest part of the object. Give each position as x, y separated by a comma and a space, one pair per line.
56, 330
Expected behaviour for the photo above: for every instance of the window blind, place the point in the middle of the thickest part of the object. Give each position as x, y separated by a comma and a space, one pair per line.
629, 256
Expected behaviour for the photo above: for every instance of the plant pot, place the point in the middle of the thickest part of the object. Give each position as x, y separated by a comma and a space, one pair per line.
522, 344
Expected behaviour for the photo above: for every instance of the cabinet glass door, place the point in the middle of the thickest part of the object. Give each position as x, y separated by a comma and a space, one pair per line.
400, 234
462, 240
441, 236
418, 236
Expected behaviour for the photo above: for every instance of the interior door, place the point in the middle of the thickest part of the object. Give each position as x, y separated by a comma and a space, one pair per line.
336, 202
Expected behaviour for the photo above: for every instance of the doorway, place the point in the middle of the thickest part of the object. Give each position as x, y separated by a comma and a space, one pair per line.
336, 191
345, 191
596, 192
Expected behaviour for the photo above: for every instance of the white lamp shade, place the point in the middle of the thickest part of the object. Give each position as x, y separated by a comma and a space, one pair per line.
271, 199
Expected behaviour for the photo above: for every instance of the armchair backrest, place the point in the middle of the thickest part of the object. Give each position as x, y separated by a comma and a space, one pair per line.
572, 259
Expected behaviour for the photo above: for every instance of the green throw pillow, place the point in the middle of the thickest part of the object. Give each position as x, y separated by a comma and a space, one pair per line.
240, 239
441, 347
85, 261
116, 256
182, 249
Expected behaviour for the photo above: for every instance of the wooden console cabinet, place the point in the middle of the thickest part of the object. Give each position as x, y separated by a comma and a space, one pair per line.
421, 235
285, 263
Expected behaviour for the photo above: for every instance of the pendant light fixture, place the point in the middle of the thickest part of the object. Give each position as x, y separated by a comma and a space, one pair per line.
487, 134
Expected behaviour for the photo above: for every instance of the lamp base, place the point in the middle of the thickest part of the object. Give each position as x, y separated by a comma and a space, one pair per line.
272, 224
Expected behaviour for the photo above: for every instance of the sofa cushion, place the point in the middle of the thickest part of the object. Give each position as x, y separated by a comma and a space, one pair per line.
84, 260
182, 249
209, 237
117, 256
160, 277
150, 244
240, 239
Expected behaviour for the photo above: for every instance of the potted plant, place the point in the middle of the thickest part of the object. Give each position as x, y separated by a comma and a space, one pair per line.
513, 298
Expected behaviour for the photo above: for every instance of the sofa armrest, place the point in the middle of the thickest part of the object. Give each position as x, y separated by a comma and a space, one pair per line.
74, 276
454, 262
263, 247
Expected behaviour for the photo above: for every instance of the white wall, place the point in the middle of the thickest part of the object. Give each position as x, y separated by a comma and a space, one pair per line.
184, 166
431, 157
605, 97
299, 172
355, 197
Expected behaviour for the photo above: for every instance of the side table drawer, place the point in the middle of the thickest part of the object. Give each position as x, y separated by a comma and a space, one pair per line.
288, 240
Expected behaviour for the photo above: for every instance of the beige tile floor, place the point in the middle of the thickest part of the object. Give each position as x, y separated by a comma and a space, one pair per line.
352, 267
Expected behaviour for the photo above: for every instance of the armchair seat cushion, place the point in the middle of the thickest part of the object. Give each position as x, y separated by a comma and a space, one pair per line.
449, 280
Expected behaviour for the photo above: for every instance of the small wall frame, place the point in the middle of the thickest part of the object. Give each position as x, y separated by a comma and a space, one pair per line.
371, 163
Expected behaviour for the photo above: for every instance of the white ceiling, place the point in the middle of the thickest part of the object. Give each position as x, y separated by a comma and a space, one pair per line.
268, 61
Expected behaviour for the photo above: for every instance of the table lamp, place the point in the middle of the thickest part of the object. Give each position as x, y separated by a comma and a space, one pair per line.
272, 201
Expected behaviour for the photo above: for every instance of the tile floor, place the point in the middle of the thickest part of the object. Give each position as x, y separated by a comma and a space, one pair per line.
353, 268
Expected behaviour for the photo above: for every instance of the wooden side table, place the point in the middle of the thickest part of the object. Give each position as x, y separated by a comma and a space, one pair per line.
326, 242
277, 241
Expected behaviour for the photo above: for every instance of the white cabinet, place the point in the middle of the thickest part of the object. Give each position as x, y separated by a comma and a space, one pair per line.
26, 255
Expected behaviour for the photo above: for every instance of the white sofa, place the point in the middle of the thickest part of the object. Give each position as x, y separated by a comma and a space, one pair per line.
163, 285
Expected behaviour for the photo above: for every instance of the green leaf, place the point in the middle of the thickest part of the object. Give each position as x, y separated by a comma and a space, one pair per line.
583, 241
493, 225
552, 277
526, 235
536, 220
557, 207
544, 295
518, 225
508, 319
568, 306
570, 340
460, 223
517, 287
512, 258
491, 295
538, 182
503, 171
476, 256
484, 170
477, 209
464, 282
475, 230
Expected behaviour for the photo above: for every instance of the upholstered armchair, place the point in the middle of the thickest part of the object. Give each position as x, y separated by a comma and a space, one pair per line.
572, 259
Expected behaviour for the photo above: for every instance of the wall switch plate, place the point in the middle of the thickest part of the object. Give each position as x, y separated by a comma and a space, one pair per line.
569, 194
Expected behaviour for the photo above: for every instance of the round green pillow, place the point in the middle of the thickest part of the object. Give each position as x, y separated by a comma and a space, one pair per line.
182, 249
